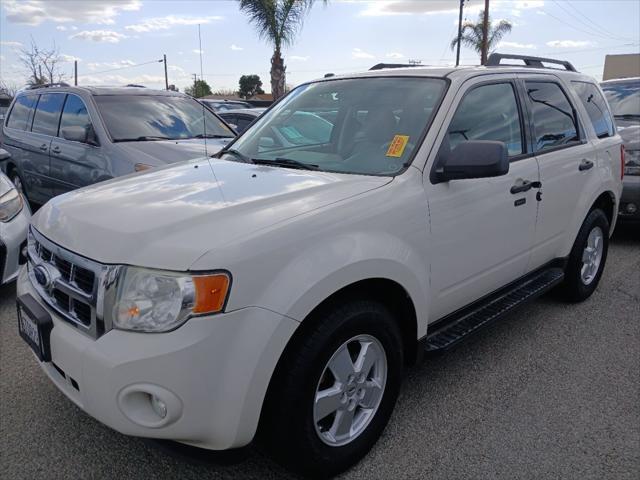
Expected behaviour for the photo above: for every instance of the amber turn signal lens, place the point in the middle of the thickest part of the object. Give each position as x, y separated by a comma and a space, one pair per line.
211, 293
140, 167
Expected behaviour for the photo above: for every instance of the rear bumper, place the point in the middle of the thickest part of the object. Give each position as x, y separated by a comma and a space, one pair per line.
212, 374
630, 196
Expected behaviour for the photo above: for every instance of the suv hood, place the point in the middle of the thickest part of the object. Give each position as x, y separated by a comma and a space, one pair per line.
168, 217
163, 152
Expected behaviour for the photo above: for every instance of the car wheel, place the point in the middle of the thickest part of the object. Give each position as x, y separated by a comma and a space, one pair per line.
335, 390
587, 258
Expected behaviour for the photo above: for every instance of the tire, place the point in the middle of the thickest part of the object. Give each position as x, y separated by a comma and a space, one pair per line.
294, 430
585, 266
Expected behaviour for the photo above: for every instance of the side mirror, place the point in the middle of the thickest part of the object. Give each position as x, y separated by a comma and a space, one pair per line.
4, 154
266, 142
475, 159
75, 134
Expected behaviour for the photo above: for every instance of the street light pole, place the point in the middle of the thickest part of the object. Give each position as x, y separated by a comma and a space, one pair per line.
485, 33
459, 33
75, 72
166, 78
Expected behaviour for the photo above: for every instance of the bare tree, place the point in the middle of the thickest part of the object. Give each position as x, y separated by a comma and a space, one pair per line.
42, 65
8, 88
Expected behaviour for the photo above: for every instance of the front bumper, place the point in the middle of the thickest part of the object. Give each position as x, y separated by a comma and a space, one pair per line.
630, 195
13, 236
212, 374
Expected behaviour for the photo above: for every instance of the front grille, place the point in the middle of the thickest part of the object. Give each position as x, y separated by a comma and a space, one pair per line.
67, 282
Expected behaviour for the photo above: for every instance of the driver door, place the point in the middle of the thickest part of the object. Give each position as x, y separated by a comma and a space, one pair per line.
481, 232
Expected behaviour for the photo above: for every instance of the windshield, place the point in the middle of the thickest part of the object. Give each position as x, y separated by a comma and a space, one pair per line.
150, 117
368, 126
624, 98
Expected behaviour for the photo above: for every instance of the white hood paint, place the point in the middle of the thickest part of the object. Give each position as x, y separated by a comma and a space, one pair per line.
168, 217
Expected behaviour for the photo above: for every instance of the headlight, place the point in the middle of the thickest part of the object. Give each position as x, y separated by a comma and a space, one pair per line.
632, 162
157, 301
10, 205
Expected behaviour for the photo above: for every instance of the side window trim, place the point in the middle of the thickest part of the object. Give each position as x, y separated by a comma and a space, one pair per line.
32, 114
611, 124
577, 120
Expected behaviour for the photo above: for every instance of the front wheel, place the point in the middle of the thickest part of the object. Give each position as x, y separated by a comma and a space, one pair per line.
587, 258
335, 391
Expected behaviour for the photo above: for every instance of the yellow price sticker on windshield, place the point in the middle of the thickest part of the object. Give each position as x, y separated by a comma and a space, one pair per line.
397, 145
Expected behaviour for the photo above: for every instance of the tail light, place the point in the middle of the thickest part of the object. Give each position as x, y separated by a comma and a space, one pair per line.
621, 162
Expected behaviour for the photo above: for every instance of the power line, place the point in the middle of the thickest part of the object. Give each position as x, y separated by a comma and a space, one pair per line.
589, 19
552, 52
126, 66
599, 31
578, 28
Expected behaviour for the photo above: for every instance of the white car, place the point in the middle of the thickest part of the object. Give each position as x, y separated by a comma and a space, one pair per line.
280, 292
14, 221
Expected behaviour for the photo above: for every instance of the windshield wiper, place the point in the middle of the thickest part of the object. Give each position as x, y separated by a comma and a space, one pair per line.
211, 135
628, 116
234, 152
285, 162
143, 138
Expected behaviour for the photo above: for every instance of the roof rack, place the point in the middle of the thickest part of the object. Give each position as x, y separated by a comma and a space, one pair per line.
536, 62
380, 66
135, 85
48, 85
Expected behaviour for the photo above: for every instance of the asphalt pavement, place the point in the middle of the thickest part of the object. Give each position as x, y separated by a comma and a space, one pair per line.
553, 391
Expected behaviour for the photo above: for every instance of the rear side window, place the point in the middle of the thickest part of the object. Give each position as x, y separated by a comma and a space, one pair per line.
488, 112
21, 112
47, 116
74, 113
554, 119
596, 107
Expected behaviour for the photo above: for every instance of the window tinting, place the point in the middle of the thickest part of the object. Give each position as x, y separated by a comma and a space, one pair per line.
553, 117
596, 107
624, 98
74, 113
21, 112
488, 112
47, 114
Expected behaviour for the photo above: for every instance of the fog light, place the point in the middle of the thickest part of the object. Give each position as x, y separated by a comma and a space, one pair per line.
631, 208
158, 406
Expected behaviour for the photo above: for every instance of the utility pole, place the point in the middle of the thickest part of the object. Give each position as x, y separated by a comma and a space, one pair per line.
75, 72
485, 33
166, 77
459, 33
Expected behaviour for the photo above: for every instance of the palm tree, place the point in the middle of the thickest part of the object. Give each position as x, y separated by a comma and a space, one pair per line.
472, 34
278, 22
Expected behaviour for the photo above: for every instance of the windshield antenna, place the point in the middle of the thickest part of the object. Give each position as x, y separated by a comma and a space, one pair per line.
204, 117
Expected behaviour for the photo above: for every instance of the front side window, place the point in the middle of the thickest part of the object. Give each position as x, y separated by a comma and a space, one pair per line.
21, 112
132, 118
47, 114
488, 112
74, 114
624, 98
553, 116
369, 126
596, 107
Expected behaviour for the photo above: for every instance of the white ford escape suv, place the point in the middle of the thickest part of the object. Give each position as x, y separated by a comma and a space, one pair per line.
278, 290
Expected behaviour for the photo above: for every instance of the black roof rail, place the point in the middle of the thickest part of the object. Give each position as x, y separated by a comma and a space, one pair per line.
380, 66
134, 85
48, 85
494, 60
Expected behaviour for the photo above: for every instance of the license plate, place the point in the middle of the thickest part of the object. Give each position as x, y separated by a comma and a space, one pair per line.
35, 328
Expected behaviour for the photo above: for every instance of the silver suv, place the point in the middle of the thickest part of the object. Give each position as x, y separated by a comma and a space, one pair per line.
61, 138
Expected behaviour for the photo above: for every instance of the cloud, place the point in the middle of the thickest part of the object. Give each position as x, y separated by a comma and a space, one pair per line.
121, 80
569, 43
431, 7
358, 53
196, 51
106, 36
394, 55
69, 58
526, 46
236, 48
14, 45
298, 58
34, 12
165, 23
108, 65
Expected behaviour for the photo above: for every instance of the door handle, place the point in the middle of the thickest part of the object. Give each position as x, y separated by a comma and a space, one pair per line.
521, 186
44, 147
585, 165
55, 149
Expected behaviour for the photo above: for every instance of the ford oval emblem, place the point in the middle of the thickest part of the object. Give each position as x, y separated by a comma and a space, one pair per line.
42, 276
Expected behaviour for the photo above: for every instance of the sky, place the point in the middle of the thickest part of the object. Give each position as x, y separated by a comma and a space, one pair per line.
120, 41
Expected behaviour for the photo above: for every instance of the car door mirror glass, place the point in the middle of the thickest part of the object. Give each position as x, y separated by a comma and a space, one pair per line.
266, 143
75, 134
473, 159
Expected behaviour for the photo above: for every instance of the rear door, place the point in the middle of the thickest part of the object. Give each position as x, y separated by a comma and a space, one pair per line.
566, 159
482, 232
76, 164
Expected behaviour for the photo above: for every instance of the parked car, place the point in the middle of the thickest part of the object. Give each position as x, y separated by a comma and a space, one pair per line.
224, 105
61, 138
624, 99
280, 292
14, 220
240, 119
